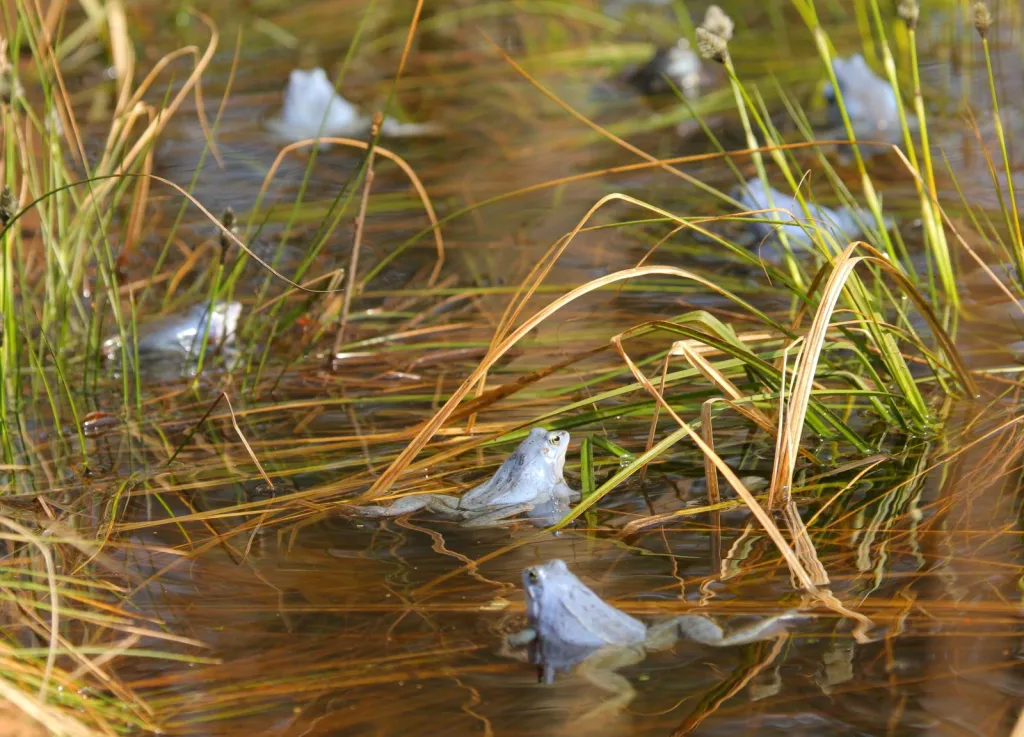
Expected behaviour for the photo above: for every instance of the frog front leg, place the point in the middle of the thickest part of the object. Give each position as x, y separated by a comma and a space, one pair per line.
512, 646
437, 503
496, 516
601, 669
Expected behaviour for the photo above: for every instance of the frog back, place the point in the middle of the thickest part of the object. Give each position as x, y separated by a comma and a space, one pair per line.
580, 618
525, 476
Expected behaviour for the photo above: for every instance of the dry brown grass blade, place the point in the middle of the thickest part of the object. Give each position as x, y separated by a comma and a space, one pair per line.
651, 163
589, 123
695, 359
956, 231
137, 212
780, 434
99, 661
762, 517
56, 722
869, 465
916, 477
357, 241
65, 112
1018, 729
659, 520
409, 36
653, 429
123, 52
396, 468
378, 150
226, 231
51, 575
511, 387
710, 472
796, 567
542, 268
248, 448
106, 166
803, 383
803, 544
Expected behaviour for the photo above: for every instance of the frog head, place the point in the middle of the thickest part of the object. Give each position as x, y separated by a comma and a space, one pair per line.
543, 585
553, 450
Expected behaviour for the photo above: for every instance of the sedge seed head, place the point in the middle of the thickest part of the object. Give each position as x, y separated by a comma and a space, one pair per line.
8, 205
910, 12
718, 23
710, 45
982, 18
228, 219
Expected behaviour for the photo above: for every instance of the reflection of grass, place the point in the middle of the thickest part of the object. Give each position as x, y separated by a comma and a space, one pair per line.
822, 367
61, 632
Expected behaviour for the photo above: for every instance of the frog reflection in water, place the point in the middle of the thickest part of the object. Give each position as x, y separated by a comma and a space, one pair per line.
569, 624
530, 481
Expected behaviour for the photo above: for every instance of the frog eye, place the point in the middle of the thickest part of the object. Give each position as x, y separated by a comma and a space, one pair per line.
554, 438
532, 576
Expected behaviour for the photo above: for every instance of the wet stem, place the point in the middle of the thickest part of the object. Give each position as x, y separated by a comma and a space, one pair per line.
737, 91
935, 235
8, 328
1012, 222
353, 264
821, 41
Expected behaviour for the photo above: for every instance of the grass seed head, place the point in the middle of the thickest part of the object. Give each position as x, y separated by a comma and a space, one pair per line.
229, 221
10, 87
718, 23
714, 33
8, 206
982, 18
910, 12
711, 46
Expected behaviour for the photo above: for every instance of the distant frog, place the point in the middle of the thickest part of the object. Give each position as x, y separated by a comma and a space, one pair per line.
870, 101
183, 332
569, 624
530, 481
843, 223
678, 63
312, 108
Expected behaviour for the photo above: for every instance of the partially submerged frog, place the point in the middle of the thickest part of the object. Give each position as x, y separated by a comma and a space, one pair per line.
530, 481
677, 63
568, 624
182, 333
843, 223
870, 101
312, 108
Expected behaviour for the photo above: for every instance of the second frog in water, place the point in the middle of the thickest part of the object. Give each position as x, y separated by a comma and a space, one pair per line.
784, 212
530, 481
569, 624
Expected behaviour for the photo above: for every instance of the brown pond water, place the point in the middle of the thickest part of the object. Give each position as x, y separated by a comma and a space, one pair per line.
328, 625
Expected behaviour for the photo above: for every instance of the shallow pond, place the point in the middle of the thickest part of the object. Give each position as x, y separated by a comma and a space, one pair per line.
315, 622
